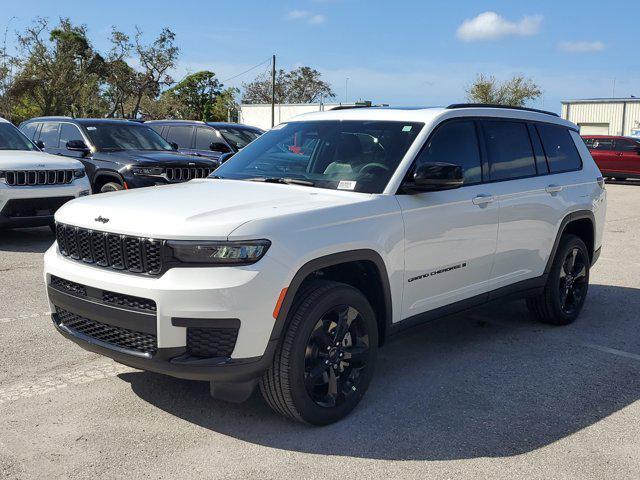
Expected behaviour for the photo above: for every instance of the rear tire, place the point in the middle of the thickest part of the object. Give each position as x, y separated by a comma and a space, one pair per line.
323, 366
111, 187
567, 284
619, 179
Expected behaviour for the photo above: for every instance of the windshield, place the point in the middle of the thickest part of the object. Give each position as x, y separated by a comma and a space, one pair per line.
359, 156
109, 137
238, 137
12, 139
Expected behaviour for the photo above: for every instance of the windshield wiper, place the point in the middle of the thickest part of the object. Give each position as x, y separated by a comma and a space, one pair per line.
112, 149
287, 181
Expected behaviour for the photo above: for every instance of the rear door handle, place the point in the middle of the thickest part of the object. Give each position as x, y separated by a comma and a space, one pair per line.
553, 188
483, 199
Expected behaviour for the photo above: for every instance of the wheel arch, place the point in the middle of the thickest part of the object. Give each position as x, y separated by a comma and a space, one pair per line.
355, 268
102, 177
580, 223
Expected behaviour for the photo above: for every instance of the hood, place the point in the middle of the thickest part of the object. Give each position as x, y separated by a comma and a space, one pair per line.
157, 157
199, 209
26, 160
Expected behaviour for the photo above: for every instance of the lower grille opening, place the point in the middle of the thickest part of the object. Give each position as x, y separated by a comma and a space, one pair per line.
116, 336
211, 342
33, 207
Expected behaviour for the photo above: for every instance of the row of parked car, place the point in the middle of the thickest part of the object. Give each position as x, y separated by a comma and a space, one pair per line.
51, 160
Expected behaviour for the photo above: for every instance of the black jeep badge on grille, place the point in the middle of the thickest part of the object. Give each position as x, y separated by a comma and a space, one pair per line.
101, 219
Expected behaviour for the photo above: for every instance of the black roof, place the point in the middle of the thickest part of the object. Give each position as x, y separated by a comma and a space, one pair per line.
82, 121
239, 126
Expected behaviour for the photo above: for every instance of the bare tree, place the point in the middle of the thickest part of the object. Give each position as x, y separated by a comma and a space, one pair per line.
301, 85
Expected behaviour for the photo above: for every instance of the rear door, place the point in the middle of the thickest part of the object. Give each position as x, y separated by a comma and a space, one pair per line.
527, 197
450, 235
628, 154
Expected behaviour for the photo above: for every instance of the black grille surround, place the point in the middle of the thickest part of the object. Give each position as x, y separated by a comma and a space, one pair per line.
110, 250
123, 338
211, 342
29, 178
184, 174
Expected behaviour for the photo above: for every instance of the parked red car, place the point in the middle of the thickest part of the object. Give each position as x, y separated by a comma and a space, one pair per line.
616, 157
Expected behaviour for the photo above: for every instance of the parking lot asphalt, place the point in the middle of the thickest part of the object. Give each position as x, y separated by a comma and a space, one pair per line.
487, 394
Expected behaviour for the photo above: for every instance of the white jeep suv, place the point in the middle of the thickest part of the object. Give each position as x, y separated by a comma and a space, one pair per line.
298, 257
34, 184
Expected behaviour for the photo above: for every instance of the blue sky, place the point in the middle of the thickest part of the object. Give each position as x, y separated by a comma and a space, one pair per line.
399, 52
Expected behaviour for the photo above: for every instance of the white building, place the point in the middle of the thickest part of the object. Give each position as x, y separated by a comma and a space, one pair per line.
259, 114
604, 116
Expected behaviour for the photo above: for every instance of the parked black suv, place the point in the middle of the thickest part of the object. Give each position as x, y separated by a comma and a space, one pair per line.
210, 139
117, 154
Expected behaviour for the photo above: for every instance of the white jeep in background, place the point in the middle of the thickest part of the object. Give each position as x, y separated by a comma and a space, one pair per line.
295, 260
34, 184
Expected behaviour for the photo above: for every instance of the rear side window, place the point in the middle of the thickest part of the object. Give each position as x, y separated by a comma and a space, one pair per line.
455, 142
562, 154
29, 130
509, 150
181, 135
49, 134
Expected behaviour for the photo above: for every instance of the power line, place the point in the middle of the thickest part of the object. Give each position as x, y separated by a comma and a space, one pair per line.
246, 71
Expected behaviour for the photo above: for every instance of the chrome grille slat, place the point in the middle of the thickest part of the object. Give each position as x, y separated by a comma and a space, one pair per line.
110, 250
180, 174
21, 178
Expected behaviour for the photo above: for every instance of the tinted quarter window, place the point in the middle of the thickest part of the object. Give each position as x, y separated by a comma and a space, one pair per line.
205, 137
509, 150
455, 142
69, 132
562, 154
181, 135
49, 134
627, 145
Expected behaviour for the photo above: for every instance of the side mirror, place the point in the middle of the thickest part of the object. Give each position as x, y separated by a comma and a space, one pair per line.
219, 147
174, 145
436, 176
224, 157
40, 144
77, 146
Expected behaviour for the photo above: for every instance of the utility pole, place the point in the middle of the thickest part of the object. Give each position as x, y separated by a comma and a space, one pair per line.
346, 90
273, 92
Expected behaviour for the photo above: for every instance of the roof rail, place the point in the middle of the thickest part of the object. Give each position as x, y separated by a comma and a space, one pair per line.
492, 105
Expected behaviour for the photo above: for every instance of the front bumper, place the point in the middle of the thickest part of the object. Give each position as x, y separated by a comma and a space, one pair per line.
35, 206
184, 298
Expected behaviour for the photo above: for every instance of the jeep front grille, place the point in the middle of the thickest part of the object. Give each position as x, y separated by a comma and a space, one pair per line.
20, 178
177, 174
110, 250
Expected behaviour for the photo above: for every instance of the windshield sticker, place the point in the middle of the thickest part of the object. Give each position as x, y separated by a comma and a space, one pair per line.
407, 128
346, 185
91, 128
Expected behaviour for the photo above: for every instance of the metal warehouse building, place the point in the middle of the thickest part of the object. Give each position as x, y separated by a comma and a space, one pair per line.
604, 116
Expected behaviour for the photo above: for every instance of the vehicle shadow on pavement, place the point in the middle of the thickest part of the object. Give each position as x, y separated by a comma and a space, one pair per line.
489, 383
35, 240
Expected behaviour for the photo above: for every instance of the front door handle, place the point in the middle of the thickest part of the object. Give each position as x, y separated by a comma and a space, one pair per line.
553, 188
483, 199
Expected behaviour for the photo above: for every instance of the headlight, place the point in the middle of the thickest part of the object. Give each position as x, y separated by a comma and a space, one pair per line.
79, 172
146, 171
236, 253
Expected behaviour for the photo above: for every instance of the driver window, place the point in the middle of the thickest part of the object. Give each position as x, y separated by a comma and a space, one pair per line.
455, 142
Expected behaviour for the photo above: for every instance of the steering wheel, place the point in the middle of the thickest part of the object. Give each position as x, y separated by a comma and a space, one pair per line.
369, 168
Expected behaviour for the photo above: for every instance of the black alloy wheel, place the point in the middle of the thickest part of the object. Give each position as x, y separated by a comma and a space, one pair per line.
573, 281
336, 355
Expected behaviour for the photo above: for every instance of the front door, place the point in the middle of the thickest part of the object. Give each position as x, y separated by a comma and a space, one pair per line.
450, 235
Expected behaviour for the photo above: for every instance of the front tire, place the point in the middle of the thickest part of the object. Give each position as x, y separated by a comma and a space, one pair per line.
111, 187
566, 290
326, 359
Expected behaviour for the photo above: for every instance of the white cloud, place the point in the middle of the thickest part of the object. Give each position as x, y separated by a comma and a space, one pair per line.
491, 26
581, 47
306, 16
